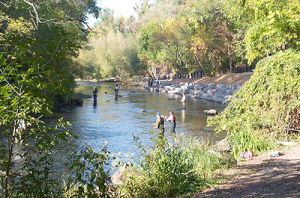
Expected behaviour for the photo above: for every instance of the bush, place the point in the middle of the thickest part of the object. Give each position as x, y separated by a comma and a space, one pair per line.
171, 169
266, 107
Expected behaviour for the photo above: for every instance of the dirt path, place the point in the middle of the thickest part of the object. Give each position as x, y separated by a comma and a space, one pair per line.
263, 176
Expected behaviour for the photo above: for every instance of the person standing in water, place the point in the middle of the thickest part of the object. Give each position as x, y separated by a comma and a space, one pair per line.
95, 92
159, 124
116, 90
95, 96
183, 100
172, 119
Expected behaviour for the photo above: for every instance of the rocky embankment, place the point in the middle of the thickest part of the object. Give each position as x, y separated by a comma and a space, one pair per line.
208, 91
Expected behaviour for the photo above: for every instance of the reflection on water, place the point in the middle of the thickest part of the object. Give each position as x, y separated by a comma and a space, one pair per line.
183, 116
132, 113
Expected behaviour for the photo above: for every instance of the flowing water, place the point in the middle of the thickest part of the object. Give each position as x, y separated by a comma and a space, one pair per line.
133, 114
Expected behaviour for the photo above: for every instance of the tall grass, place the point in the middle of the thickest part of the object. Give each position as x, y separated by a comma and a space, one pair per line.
170, 169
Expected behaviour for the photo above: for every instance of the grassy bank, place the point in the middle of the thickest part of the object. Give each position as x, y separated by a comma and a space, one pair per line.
263, 112
172, 168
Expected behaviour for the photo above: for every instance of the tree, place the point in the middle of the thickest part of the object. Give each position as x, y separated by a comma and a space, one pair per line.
266, 26
212, 44
37, 41
110, 55
274, 28
106, 20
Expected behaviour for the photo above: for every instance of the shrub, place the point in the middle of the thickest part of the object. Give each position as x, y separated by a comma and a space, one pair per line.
266, 107
172, 169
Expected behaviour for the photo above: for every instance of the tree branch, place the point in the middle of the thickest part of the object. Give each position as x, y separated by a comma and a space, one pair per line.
4, 4
35, 12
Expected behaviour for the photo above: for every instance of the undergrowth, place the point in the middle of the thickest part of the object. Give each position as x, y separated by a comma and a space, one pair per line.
171, 169
266, 108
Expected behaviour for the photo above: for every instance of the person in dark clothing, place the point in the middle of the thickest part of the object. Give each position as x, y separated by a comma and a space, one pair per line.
116, 90
159, 124
95, 96
172, 120
95, 91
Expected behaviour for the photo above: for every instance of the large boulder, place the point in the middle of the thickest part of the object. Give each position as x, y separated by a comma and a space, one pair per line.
197, 92
199, 86
222, 146
121, 174
206, 89
186, 91
211, 112
78, 101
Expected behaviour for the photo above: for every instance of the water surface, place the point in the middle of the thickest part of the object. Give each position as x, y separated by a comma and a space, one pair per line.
133, 114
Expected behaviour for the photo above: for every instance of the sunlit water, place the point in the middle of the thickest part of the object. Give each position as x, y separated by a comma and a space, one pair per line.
118, 121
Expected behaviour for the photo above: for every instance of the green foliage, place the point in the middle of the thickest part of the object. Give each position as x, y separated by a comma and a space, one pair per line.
35, 73
171, 169
276, 26
91, 173
267, 26
108, 55
148, 47
266, 107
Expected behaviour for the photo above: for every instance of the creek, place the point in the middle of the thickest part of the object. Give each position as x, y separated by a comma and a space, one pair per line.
133, 114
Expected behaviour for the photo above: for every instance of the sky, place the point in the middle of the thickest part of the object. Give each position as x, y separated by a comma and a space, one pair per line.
120, 7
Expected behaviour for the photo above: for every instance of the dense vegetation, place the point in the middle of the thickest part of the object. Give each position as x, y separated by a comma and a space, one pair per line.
183, 36
169, 169
37, 42
267, 107
45, 44
173, 35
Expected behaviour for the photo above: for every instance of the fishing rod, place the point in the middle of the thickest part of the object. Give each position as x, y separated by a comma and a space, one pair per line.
169, 108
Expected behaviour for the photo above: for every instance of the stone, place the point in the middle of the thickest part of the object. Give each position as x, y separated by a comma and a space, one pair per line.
275, 153
199, 86
174, 92
222, 146
211, 85
227, 97
211, 92
197, 92
211, 112
186, 91
206, 89
120, 175
178, 90
234, 87
78, 102
217, 96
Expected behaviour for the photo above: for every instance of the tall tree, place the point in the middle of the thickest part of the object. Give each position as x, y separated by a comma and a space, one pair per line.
38, 39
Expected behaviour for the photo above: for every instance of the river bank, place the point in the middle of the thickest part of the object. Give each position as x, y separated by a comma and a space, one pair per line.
262, 176
216, 89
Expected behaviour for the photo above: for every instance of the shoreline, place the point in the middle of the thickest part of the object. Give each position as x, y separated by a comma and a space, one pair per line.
217, 89
208, 91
